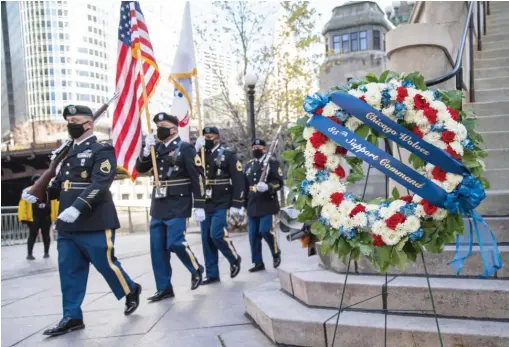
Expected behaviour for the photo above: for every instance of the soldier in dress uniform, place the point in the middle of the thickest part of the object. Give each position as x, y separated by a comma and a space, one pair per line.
180, 174
87, 221
224, 189
262, 205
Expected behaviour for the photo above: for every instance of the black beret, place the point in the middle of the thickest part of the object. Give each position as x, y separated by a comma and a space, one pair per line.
167, 117
211, 130
77, 110
259, 142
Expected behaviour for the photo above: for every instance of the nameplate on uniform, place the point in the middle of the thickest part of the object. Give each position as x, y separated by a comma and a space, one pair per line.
160, 192
85, 154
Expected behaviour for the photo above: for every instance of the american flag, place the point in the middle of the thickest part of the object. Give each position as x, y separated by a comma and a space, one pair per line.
132, 35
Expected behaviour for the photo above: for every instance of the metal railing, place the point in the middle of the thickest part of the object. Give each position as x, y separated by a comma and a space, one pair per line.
468, 29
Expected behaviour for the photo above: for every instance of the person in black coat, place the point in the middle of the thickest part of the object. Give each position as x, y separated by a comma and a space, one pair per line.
182, 187
262, 204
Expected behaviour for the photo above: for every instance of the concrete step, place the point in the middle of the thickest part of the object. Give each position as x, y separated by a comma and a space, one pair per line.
491, 83
288, 322
495, 94
500, 228
491, 72
492, 62
497, 122
437, 264
495, 204
497, 159
498, 178
455, 297
496, 45
494, 37
500, 52
489, 108
496, 139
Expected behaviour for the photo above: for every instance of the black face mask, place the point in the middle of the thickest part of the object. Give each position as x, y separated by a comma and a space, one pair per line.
163, 133
76, 130
209, 144
258, 153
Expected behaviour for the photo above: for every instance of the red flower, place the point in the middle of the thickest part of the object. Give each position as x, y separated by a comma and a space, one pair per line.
357, 209
452, 152
402, 94
320, 160
431, 114
406, 198
363, 98
448, 136
453, 113
377, 240
438, 174
317, 139
417, 131
393, 221
420, 102
336, 120
340, 172
336, 198
429, 208
319, 110
341, 150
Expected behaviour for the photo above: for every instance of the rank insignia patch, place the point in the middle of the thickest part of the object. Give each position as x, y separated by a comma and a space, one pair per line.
197, 161
84, 174
105, 166
239, 166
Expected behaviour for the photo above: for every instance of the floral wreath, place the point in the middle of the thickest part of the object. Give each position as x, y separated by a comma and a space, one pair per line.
388, 231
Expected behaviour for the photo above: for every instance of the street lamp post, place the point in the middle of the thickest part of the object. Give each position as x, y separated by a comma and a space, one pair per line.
250, 80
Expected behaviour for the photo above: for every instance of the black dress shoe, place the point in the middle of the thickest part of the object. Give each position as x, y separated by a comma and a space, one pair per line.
46, 255
235, 268
197, 278
66, 325
257, 267
162, 294
132, 301
210, 280
277, 260
30, 257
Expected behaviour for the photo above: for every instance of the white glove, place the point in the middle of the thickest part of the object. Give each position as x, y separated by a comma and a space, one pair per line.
150, 141
262, 187
28, 197
69, 215
199, 215
237, 212
200, 142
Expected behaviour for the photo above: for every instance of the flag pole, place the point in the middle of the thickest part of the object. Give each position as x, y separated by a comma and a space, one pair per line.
200, 125
147, 113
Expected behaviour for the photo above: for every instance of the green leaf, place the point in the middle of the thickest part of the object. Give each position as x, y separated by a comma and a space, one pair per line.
411, 251
371, 77
319, 230
373, 139
416, 162
365, 237
376, 201
485, 183
354, 177
362, 131
307, 214
366, 250
343, 247
289, 156
401, 244
395, 193
383, 76
302, 121
301, 202
399, 259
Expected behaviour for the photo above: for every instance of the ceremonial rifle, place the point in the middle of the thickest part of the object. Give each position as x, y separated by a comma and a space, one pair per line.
39, 187
265, 166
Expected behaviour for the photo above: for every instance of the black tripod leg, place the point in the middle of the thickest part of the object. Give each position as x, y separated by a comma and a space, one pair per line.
342, 297
432, 300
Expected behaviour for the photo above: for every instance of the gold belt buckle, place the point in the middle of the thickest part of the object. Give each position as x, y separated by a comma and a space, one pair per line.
253, 189
67, 185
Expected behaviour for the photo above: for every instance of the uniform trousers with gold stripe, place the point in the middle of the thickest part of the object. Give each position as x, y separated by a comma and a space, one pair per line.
76, 250
262, 228
214, 235
168, 236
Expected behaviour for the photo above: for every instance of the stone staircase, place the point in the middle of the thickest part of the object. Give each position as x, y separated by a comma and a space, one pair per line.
300, 309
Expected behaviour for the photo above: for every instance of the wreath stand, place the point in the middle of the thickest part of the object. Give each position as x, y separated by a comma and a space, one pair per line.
385, 293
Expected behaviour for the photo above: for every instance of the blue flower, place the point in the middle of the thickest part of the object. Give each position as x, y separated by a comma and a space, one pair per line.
438, 127
363, 88
408, 209
324, 221
385, 204
373, 216
399, 110
342, 115
350, 196
467, 143
322, 176
416, 236
436, 94
386, 97
304, 186
408, 84
347, 234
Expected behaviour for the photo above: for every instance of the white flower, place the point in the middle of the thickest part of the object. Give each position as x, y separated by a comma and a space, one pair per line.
439, 106
308, 131
353, 123
348, 223
355, 92
440, 144
419, 211
328, 148
454, 178
346, 206
448, 186
391, 238
443, 116
461, 132
311, 173
360, 220
410, 116
379, 228
425, 128
329, 210
330, 109
440, 214
457, 146
372, 207
417, 199
412, 223
395, 206
332, 162
314, 190
428, 95
420, 118
335, 222
432, 137
384, 212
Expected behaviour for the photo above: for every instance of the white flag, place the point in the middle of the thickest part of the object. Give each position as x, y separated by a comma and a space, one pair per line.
183, 70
